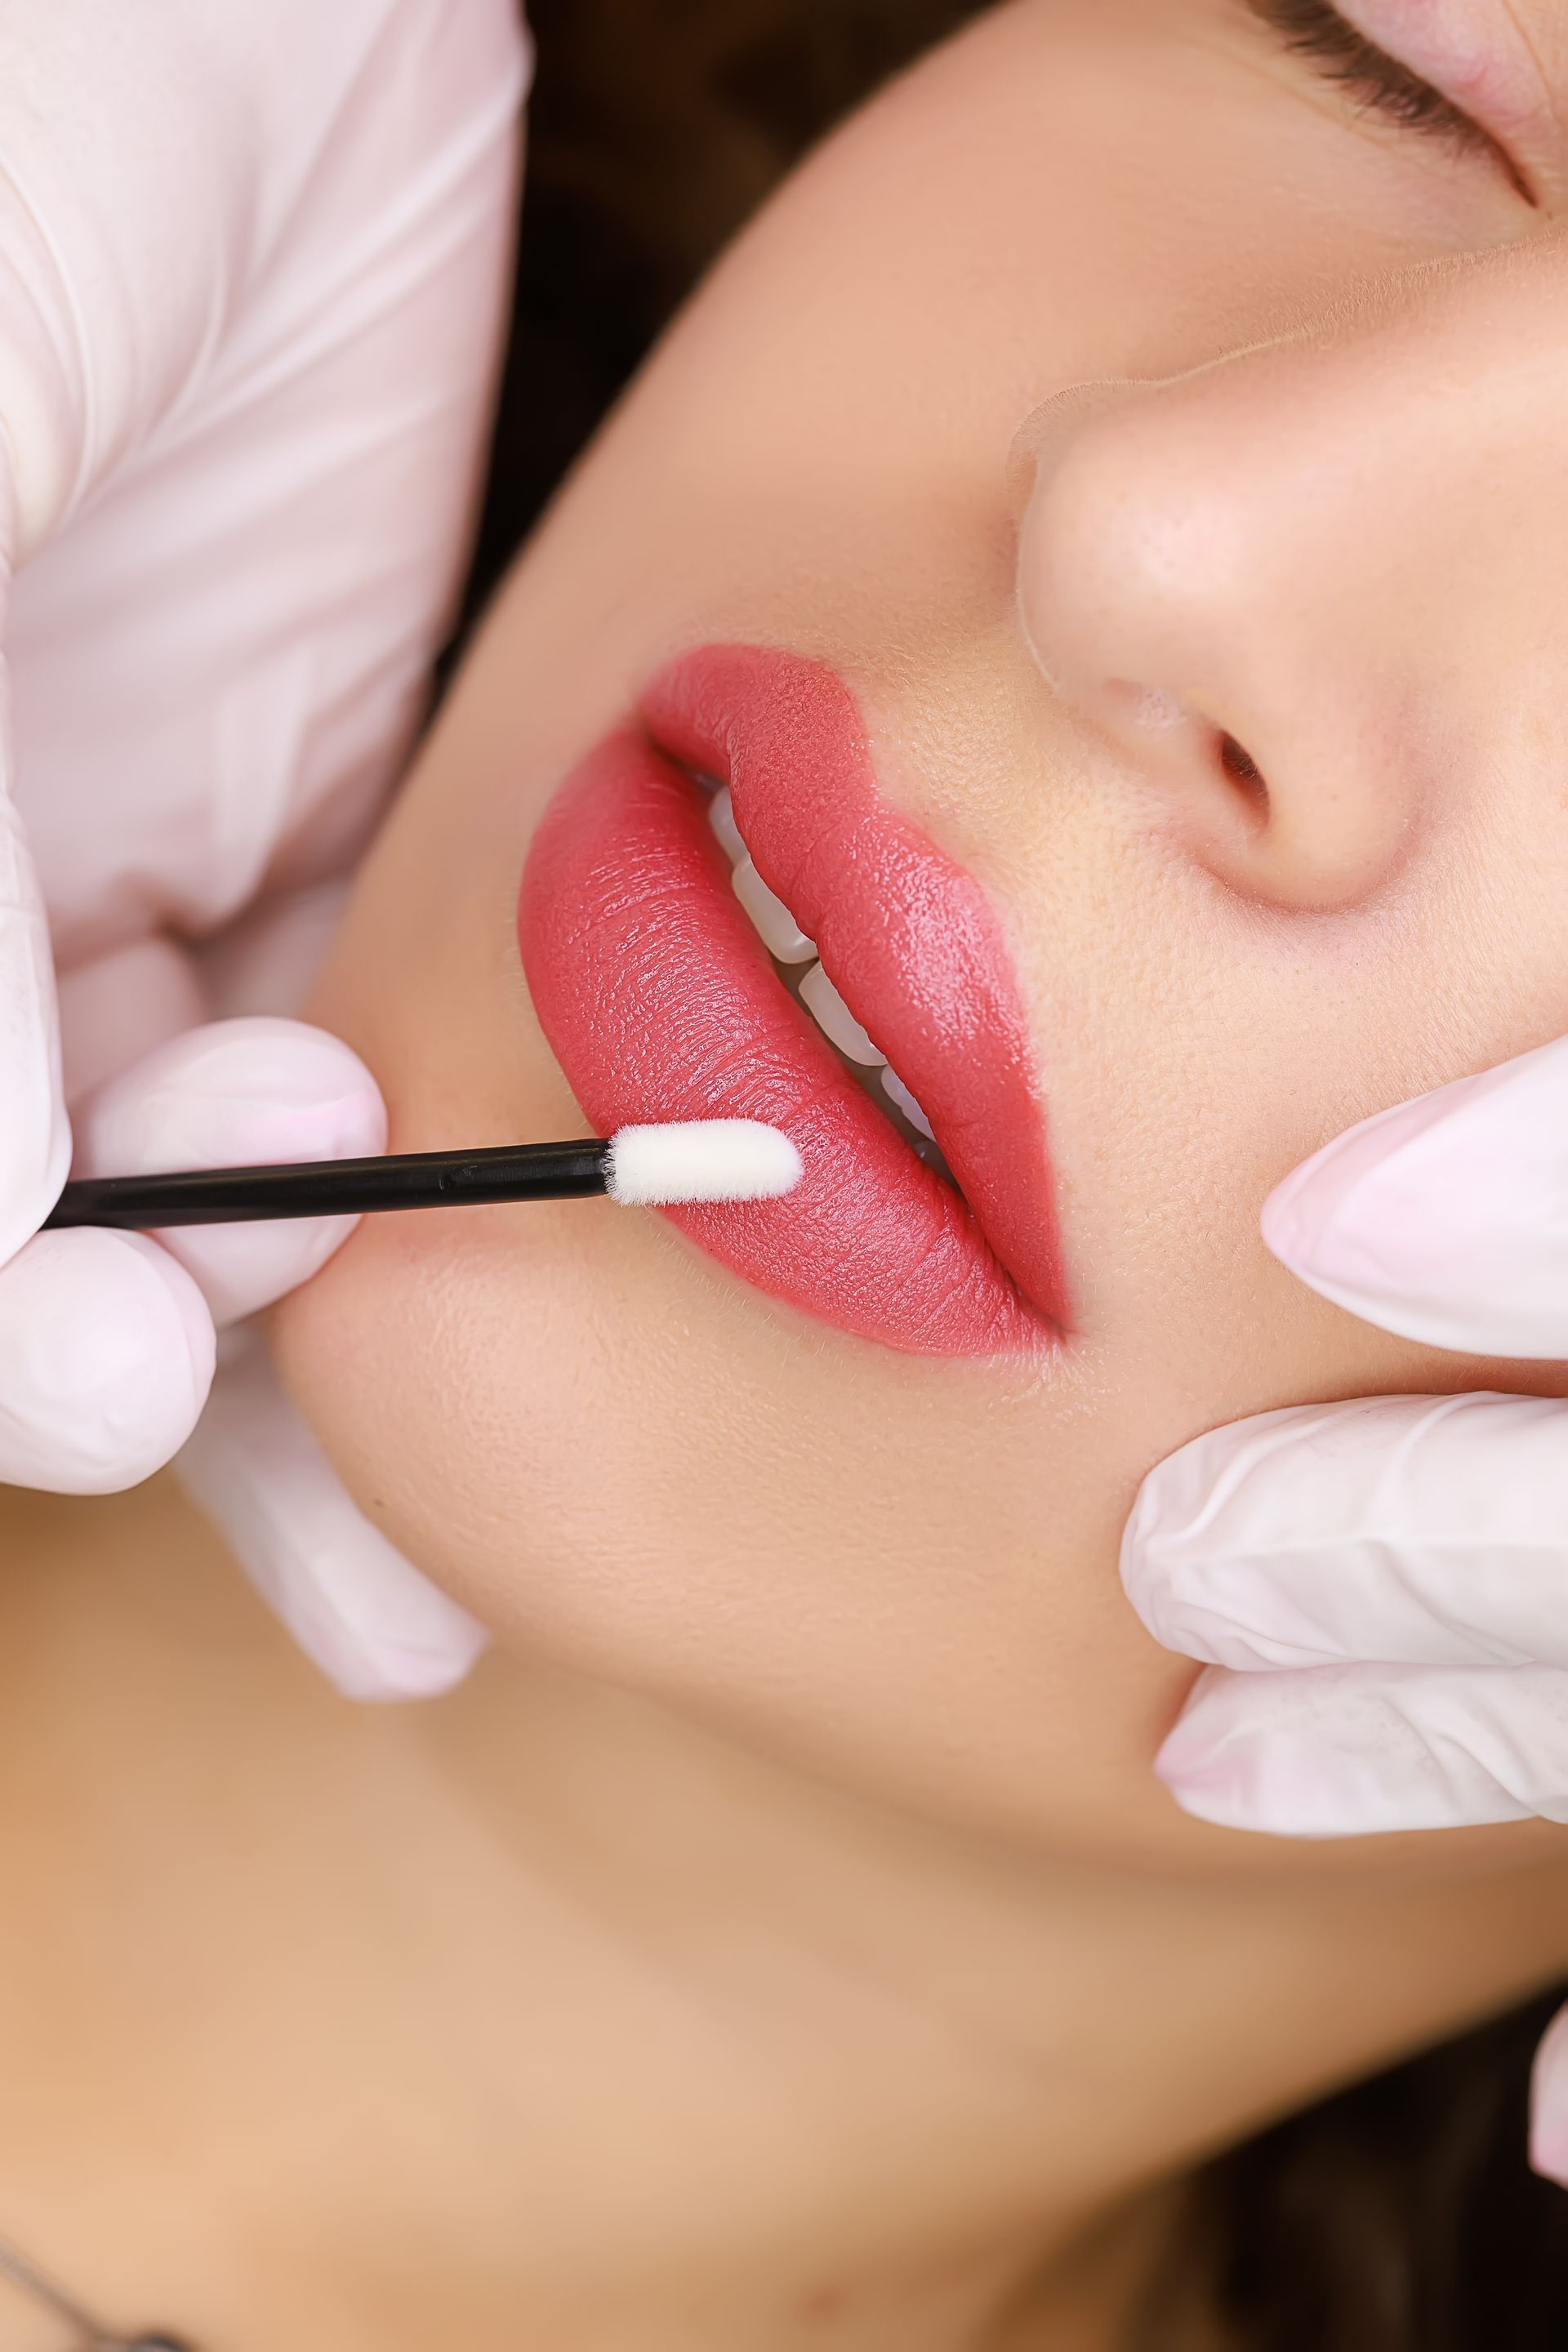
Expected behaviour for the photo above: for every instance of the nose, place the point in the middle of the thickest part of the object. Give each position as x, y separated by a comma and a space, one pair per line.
1293, 589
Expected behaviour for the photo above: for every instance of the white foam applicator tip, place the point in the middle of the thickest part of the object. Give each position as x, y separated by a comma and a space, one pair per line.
700, 1160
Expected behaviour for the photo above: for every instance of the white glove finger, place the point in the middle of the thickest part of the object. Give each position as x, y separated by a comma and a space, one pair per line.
1445, 1219
251, 430
1412, 1530
238, 1094
106, 1357
1549, 2103
374, 1625
1349, 1751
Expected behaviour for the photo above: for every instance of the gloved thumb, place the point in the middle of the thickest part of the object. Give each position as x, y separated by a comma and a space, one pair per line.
238, 1094
1445, 1219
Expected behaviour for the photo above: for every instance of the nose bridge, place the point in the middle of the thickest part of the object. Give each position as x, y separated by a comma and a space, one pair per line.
1159, 513
1129, 539
1265, 551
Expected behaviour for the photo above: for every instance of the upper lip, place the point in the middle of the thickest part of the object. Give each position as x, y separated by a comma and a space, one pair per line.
660, 1001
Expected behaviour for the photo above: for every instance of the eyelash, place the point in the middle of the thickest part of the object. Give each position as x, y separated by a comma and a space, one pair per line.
1314, 29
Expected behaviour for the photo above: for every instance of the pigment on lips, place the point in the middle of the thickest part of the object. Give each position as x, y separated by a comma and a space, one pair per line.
660, 1001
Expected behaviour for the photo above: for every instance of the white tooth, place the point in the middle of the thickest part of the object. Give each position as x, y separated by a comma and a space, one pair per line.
896, 1091
721, 817
782, 935
830, 1013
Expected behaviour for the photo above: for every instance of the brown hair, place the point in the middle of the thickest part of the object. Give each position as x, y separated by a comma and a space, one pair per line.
1399, 2216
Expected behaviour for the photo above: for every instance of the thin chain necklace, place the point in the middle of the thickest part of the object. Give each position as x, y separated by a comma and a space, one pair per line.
92, 2335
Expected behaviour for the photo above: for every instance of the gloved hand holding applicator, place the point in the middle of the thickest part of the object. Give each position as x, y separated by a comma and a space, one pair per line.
253, 266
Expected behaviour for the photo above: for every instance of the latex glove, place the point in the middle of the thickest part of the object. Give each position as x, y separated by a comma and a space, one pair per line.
108, 1339
252, 270
240, 1091
1380, 1588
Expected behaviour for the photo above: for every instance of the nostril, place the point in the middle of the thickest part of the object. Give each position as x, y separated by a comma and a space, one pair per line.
1244, 772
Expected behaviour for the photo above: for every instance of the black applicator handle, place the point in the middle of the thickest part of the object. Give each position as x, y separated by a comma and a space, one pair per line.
337, 1188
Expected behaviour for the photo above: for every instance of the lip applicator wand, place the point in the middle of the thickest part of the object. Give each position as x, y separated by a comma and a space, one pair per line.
641, 1166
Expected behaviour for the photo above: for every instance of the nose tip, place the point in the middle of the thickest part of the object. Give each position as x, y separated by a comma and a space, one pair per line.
1168, 595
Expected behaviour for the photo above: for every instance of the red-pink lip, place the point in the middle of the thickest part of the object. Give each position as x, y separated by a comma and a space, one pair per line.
660, 1001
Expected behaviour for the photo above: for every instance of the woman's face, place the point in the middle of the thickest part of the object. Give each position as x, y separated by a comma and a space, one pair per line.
1144, 470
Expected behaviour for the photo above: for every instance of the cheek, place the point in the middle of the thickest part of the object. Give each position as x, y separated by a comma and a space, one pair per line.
1193, 1050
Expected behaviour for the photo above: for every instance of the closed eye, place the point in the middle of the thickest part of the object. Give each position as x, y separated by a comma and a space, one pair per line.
1314, 29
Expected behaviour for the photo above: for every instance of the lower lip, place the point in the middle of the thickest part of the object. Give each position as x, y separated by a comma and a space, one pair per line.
660, 1001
